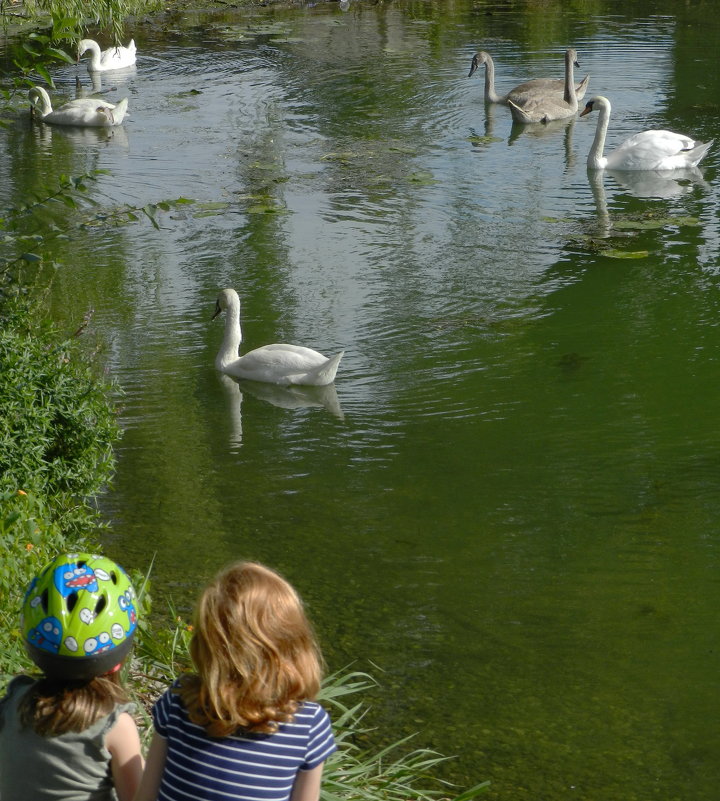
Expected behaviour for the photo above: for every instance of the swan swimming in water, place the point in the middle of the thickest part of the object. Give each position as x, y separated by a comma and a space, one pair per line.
88, 112
648, 150
273, 364
520, 93
547, 105
114, 58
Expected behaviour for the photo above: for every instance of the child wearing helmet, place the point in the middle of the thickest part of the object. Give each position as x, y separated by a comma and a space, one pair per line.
243, 725
69, 734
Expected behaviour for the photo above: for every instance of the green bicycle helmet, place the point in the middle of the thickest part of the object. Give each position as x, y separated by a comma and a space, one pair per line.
79, 617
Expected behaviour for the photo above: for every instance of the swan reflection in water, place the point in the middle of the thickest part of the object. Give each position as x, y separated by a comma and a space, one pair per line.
551, 128
659, 183
115, 136
648, 184
291, 397
113, 80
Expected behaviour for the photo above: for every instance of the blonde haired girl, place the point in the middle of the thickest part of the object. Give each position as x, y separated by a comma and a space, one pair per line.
244, 725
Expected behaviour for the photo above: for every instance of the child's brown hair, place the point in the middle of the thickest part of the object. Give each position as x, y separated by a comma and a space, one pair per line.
254, 651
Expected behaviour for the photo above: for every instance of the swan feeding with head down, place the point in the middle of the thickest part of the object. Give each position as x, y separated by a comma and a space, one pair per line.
522, 92
272, 364
648, 150
88, 112
114, 58
547, 105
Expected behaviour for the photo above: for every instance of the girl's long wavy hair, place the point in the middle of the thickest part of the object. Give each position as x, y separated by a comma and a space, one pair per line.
254, 652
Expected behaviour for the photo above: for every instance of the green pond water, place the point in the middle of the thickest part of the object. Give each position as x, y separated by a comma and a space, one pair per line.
508, 509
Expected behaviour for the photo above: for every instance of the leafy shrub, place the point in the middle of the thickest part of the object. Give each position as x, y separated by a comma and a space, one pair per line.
57, 422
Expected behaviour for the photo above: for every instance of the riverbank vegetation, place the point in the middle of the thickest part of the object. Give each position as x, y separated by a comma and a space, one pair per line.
76, 15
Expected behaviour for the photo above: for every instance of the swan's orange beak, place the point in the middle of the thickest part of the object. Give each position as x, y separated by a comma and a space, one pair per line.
588, 108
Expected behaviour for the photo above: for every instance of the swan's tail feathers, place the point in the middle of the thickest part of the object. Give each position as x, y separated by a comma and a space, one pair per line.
697, 153
518, 113
120, 111
581, 88
325, 373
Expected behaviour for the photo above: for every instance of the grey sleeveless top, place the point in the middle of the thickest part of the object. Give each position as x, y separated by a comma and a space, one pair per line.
74, 766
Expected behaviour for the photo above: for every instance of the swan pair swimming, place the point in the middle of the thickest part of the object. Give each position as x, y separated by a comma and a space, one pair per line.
537, 100
114, 58
648, 150
88, 112
272, 364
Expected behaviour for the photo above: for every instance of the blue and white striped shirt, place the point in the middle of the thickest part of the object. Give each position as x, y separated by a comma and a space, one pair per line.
253, 767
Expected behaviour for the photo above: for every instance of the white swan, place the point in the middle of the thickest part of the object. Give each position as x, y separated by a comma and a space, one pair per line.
89, 112
520, 93
649, 150
114, 58
545, 106
272, 364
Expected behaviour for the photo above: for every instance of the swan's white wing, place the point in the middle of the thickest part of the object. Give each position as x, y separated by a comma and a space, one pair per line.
118, 57
286, 364
294, 357
277, 364
653, 150
85, 102
87, 117
88, 112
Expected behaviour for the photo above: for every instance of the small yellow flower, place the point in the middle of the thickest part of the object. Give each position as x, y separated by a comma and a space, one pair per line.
29, 546
21, 492
188, 628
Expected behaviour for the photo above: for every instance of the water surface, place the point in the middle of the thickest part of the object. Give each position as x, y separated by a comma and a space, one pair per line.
510, 506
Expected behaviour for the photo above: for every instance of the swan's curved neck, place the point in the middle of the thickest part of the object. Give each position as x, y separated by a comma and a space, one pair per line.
95, 53
45, 106
596, 160
230, 348
569, 95
490, 95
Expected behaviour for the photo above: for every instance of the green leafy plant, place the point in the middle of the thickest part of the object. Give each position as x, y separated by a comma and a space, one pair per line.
107, 15
57, 421
33, 55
